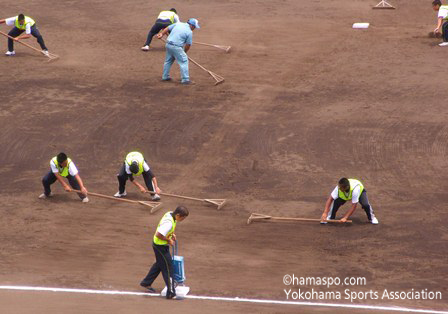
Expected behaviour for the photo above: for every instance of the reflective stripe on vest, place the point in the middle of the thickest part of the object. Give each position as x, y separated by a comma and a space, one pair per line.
166, 217
138, 157
166, 15
63, 171
28, 20
353, 184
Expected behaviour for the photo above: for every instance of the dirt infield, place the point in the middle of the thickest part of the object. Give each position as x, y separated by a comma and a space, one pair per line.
307, 100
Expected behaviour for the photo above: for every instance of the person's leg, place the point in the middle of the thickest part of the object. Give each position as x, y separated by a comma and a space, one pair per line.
166, 266
75, 185
182, 60
35, 32
154, 270
48, 180
169, 60
148, 180
155, 29
122, 177
334, 208
445, 31
14, 32
364, 201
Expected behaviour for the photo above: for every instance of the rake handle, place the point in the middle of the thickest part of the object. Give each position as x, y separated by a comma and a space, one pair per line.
210, 45
108, 197
178, 196
20, 42
293, 219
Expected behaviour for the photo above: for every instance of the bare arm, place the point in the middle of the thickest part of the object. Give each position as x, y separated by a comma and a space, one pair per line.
23, 36
66, 187
187, 47
2, 21
439, 25
162, 237
81, 184
162, 33
350, 212
139, 186
156, 186
327, 208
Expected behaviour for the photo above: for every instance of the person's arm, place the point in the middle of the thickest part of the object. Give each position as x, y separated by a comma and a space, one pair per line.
138, 185
327, 209
3, 21
156, 186
187, 47
162, 237
349, 213
163, 32
60, 178
439, 25
81, 184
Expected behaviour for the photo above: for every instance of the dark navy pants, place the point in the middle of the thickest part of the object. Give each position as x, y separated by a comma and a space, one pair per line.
163, 264
123, 177
155, 29
34, 31
50, 178
445, 31
363, 200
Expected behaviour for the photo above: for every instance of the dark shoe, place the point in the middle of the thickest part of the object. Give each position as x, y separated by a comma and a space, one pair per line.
171, 296
167, 80
148, 288
188, 83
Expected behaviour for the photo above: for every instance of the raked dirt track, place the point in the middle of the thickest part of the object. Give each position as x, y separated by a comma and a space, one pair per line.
307, 100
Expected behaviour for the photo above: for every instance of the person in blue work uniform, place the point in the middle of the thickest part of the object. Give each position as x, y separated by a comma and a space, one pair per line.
177, 45
165, 18
164, 237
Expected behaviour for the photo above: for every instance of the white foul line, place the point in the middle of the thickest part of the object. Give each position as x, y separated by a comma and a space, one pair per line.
236, 299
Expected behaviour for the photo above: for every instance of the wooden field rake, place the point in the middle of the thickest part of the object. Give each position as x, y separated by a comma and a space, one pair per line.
50, 56
155, 206
262, 217
214, 201
225, 48
383, 4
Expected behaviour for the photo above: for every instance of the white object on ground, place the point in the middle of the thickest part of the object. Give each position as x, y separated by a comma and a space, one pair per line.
444, 44
361, 25
181, 291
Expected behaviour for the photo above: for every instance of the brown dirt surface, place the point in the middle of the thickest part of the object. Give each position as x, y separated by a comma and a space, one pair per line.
307, 100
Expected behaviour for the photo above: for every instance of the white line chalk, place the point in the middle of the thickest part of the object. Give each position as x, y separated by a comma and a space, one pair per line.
236, 299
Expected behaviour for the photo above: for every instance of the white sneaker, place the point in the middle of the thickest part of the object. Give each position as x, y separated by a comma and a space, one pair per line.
120, 195
10, 53
156, 197
145, 48
85, 200
43, 196
444, 44
46, 53
374, 221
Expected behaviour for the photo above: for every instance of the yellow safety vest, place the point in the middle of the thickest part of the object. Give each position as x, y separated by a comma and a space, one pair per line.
138, 157
167, 217
353, 184
63, 171
28, 20
167, 15
444, 7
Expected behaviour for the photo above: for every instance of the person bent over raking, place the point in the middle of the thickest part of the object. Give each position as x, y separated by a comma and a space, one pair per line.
346, 190
22, 24
63, 167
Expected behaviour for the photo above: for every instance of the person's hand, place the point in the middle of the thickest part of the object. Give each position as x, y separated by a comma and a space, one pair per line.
159, 35
16, 39
170, 242
436, 31
67, 188
173, 236
158, 191
84, 191
344, 219
323, 218
142, 189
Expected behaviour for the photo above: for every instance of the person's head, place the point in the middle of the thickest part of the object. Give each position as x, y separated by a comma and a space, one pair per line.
194, 23
21, 18
62, 159
133, 167
344, 184
173, 10
436, 4
180, 213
